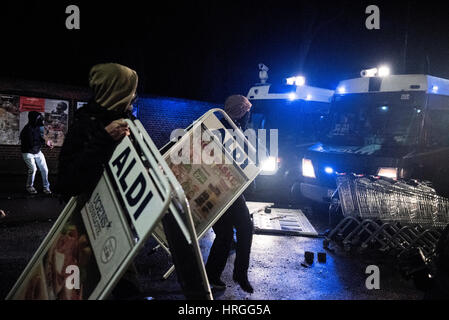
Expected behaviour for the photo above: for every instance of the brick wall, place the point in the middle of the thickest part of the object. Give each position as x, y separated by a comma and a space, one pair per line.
12, 167
161, 115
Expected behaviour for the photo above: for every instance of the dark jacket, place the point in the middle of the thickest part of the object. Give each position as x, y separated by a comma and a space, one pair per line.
31, 139
87, 148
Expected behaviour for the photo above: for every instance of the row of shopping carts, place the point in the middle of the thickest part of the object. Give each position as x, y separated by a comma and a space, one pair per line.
388, 215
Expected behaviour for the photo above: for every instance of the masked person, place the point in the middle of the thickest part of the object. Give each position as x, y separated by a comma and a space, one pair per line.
97, 129
237, 216
31, 140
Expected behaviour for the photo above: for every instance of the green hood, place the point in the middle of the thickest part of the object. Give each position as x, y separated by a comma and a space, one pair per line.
114, 86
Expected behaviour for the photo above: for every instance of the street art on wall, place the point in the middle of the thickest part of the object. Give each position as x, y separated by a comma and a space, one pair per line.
9, 119
56, 114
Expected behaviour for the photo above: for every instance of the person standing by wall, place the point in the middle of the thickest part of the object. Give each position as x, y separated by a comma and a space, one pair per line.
32, 140
237, 216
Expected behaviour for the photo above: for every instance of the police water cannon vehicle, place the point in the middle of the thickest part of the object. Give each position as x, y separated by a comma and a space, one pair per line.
394, 126
294, 109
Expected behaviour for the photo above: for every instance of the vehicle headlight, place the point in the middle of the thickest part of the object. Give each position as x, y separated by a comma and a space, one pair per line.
269, 165
391, 173
307, 168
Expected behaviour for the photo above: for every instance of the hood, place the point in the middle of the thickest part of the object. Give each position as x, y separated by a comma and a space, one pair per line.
35, 119
114, 86
237, 106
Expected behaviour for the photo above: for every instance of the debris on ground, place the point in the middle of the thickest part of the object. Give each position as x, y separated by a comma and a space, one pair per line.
309, 257
321, 257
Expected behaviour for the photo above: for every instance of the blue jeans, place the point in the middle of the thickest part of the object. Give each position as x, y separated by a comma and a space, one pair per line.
34, 161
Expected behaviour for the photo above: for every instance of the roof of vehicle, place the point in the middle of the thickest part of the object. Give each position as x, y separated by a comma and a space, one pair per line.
395, 83
269, 92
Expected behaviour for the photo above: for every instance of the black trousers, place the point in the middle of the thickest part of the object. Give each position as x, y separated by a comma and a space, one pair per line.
238, 217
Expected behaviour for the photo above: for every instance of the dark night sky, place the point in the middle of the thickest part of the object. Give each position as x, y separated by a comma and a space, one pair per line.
207, 50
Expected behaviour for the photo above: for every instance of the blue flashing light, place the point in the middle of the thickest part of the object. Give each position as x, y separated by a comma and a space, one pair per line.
292, 96
328, 170
384, 108
341, 90
435, 89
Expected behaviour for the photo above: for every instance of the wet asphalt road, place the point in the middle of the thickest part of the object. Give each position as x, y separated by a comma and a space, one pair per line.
275, 271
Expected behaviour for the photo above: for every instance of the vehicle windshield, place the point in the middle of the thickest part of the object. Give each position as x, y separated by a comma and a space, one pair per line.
374, 119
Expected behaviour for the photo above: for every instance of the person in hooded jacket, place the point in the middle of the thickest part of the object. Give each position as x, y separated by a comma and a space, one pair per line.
32, 140
237, 216
97, 129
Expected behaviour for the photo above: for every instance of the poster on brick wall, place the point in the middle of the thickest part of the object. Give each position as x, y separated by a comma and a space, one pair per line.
80, 104
56, 120
32, 104
56, 114
9, 119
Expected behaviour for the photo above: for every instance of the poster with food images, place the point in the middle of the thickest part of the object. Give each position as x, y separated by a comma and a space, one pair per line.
9, 119
50, 276
209, 186
82, 254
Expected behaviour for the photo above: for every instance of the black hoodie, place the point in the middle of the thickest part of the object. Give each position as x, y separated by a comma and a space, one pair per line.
31, 137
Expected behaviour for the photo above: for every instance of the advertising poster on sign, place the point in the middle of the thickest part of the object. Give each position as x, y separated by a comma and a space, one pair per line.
79, 260
50, 276
9, 119
210, 186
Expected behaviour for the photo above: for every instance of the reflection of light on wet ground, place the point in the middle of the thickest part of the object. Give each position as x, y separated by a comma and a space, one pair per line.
277, 274
276, 262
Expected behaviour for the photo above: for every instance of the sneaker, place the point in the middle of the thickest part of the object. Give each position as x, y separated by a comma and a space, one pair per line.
217, 284
47, 191
243, 283
31, 190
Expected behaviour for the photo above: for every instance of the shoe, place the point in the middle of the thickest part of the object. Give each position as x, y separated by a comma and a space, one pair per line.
47, 191
243, 283
217, 284
31, 190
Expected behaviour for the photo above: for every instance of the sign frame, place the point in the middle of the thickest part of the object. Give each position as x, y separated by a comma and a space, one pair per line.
166, 186
158, 234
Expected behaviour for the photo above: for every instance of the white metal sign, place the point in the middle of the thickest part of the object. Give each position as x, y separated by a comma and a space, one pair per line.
211, 186
136, 187
92, 244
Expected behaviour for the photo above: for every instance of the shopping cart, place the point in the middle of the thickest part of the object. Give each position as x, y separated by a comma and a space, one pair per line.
388, 214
